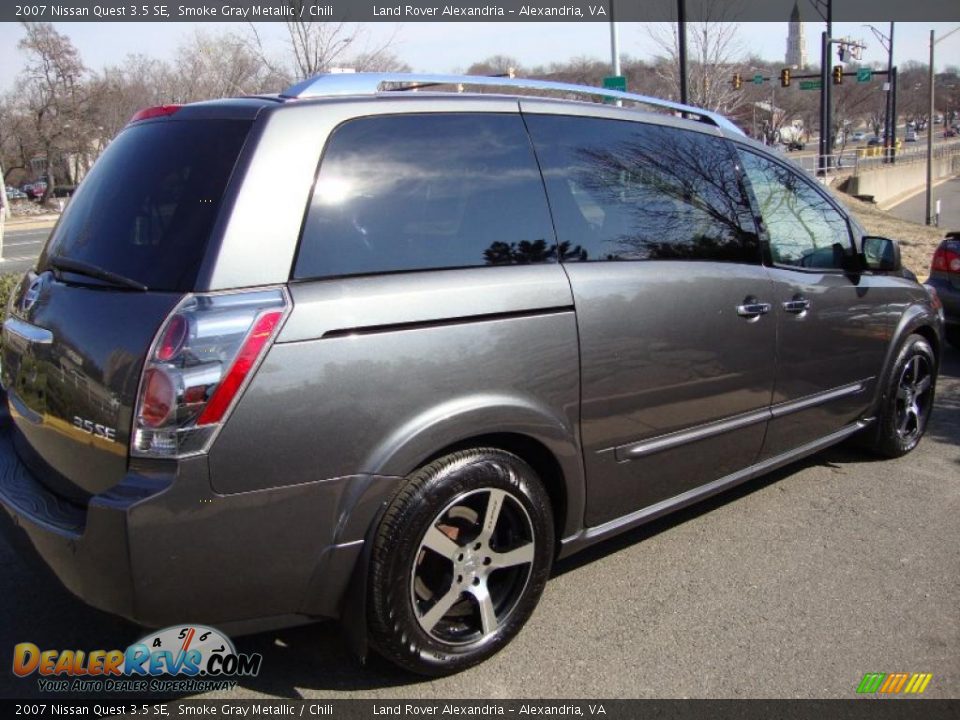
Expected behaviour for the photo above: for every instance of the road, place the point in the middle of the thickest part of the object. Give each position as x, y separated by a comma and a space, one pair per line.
793, 585
915, 209
22, 244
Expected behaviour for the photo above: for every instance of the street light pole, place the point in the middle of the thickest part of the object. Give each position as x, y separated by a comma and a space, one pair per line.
614, 42
682, 47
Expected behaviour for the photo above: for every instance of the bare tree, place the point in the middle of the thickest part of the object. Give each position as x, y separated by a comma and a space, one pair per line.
54, 96
316, 47
210, 65
713, 51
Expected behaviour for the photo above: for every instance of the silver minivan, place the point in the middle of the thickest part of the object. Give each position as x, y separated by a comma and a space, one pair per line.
359, 352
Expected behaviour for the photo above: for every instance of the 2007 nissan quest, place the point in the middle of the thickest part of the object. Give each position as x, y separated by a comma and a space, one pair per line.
360, 353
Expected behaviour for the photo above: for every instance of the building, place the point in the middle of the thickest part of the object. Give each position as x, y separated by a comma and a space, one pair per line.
796, 42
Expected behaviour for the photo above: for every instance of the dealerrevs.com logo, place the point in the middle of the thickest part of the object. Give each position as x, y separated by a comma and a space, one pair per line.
185, 658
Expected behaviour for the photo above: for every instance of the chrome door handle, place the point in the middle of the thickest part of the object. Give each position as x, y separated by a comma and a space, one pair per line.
753, 309
797, 306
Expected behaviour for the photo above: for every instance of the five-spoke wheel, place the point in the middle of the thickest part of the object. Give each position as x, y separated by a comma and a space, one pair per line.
459, 561
906, 401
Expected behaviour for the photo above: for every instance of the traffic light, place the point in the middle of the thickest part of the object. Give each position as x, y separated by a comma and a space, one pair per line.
838, 75
737, 81
785, 77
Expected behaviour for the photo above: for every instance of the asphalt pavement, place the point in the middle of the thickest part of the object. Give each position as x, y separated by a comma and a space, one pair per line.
914, 209
793, 585
22, 242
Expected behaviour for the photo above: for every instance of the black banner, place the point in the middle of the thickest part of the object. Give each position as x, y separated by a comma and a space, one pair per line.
407, 11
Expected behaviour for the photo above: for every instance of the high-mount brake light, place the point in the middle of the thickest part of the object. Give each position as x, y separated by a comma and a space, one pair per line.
154, 112
203, 357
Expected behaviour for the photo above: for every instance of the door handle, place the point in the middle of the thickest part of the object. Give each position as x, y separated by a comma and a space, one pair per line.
751, 309
797, 306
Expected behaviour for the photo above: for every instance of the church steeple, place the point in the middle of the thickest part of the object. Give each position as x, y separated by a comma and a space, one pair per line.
796, 44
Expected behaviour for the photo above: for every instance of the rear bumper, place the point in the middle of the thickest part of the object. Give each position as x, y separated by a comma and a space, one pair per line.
161, 548
950, 297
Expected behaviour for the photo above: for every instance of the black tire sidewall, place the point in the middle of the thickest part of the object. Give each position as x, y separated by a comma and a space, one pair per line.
889, 441
395, 631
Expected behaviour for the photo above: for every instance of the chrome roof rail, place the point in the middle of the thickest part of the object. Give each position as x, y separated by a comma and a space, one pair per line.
339, 84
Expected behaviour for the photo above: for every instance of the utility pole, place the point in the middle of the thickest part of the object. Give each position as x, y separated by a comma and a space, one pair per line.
930, 139
930, 123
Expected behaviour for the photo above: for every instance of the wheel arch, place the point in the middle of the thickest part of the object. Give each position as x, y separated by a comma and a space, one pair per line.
546, 440
919, 320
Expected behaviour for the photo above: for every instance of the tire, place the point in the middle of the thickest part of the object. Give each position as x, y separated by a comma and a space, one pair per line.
448, 589
907, 399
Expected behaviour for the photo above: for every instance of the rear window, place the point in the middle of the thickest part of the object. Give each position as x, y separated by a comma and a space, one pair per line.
423, 192
146, 209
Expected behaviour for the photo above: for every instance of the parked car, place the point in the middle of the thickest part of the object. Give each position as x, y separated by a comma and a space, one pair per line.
874, 141
949, 133
945, 279
15, 194
911, 136
795, 144
475, 333
859, 135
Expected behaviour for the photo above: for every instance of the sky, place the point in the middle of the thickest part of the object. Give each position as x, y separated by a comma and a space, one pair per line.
452, 47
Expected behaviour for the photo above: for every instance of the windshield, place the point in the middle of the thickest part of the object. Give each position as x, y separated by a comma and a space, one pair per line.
146, 209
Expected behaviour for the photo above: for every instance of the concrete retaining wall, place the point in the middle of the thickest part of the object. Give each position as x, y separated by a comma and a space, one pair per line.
887, 183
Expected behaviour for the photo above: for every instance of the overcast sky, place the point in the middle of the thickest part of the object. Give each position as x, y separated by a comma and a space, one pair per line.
448, 47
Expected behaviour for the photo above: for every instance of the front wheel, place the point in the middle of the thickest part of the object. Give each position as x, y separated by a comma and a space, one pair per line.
907, 400
459, 561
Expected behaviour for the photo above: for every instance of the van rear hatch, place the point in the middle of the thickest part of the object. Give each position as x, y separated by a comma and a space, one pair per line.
128, 247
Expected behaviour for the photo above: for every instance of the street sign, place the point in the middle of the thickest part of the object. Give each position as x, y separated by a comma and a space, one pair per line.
758, 79
614, 82
809, 84
864, 74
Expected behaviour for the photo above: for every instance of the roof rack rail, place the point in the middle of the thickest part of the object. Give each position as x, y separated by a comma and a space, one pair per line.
334, 84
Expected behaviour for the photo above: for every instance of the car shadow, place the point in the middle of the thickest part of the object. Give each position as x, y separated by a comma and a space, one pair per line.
315, 657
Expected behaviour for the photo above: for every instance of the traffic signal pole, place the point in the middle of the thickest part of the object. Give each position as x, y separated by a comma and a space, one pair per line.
824, 101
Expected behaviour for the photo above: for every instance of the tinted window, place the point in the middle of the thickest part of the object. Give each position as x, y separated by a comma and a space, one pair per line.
412, 192
805, 230
146, 209
632, 191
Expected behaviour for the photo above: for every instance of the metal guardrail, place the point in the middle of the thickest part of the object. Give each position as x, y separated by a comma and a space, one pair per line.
854, 160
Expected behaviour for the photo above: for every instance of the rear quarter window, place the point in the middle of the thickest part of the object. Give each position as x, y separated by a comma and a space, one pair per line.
146, 209
425, 191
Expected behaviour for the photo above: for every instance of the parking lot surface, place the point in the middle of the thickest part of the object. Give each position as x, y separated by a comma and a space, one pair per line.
793, 585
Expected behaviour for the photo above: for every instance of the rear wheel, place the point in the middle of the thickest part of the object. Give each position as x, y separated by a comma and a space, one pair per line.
907, 400
459, 561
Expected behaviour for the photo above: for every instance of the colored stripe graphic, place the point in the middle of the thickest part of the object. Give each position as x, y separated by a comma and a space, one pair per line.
893, 683
871, 682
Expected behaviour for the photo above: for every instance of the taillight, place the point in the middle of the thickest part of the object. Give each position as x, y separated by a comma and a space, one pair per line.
153, 112
946, 260
200, 362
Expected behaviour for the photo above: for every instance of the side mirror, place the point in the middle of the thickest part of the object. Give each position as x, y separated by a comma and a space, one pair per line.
881, 254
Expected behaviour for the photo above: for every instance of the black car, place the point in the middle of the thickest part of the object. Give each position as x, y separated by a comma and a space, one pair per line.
945, 278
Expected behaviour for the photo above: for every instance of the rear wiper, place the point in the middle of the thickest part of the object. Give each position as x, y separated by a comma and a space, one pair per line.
81, 268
